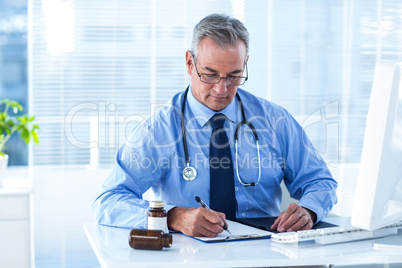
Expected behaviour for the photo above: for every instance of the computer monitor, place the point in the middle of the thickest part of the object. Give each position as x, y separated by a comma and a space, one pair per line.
378, 197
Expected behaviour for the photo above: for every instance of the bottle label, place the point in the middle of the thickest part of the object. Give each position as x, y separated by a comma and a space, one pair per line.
158, 223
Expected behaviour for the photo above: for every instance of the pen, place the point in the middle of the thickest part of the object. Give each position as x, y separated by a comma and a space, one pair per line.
205, 206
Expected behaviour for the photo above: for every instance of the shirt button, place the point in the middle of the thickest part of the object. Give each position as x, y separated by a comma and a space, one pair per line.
243, 215
236, 189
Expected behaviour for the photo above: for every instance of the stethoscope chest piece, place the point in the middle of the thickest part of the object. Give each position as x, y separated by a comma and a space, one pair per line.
189, 173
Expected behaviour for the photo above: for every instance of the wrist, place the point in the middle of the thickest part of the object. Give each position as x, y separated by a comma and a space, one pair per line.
312, 214
173, 218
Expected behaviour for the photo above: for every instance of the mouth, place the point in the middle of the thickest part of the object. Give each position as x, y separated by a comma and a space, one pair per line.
218, 98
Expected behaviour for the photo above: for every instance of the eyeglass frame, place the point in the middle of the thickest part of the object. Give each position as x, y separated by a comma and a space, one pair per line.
226, 78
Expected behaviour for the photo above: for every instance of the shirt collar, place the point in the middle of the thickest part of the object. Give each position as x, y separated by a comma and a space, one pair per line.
202, 113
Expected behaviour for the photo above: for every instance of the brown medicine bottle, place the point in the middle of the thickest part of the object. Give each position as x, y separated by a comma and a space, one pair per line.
149, 239
157, 216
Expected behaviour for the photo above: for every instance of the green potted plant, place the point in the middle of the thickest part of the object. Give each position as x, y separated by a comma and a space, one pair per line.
10, 124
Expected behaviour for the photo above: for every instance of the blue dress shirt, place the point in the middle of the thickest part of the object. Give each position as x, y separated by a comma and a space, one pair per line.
153, 157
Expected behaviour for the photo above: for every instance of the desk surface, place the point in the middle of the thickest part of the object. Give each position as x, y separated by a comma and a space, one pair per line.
111, 247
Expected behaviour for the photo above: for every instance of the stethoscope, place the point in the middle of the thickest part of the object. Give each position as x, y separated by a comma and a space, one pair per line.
190, 173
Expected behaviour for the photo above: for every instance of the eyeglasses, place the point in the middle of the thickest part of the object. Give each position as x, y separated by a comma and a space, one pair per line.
214, 78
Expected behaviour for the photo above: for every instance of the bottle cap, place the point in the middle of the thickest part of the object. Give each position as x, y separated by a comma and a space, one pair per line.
156, 204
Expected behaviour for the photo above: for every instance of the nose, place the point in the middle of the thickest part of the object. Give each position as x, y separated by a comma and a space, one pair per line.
221, 86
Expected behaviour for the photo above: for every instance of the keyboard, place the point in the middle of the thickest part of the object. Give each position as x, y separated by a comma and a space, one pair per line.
333, 235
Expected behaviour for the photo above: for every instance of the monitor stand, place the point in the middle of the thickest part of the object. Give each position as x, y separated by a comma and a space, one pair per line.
389, 242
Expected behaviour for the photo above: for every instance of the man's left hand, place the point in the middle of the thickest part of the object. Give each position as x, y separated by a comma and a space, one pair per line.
294, 218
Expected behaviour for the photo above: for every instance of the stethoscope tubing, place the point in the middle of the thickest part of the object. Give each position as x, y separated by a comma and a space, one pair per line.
244, 122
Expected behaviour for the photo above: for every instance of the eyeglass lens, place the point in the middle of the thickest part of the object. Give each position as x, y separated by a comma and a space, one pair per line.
230, 80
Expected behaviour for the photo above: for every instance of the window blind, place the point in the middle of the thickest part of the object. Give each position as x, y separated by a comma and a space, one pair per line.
103, 62
95, 65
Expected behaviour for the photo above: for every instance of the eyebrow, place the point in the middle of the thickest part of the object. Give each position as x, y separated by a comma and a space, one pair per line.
214, 71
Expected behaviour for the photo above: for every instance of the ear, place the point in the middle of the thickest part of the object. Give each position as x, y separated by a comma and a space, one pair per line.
189, 62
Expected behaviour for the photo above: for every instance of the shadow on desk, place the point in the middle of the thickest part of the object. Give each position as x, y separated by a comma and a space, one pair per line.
316, 266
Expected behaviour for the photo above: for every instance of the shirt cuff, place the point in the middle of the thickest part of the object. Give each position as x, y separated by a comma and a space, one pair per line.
169, 207
312, 205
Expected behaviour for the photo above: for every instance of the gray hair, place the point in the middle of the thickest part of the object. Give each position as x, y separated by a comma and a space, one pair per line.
222, 29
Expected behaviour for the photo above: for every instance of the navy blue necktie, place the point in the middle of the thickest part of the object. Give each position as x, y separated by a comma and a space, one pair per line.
222, 194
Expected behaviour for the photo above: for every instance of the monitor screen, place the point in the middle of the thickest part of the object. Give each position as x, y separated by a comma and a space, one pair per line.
378, 198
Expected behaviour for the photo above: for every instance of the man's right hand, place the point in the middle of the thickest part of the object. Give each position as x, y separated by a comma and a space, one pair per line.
196, 221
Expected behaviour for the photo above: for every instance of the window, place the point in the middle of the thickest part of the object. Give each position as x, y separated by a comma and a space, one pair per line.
13, 67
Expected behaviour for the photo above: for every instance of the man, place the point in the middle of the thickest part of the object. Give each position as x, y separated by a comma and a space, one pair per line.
236, 183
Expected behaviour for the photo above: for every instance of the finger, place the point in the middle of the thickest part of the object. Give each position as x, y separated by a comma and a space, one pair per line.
301, 222
223, 218
276, 222
204, 231
203, 227
200, 230
289, 217
213, 217
305, 221
211, 229
287, 213
308, 226
211, 221
292, 220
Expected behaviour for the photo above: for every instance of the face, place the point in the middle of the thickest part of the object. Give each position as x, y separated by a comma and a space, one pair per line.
224, 62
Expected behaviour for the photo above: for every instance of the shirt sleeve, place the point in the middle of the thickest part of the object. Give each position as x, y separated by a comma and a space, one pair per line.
306, 175
120, 204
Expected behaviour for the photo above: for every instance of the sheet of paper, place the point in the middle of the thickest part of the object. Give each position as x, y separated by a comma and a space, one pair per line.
239, 231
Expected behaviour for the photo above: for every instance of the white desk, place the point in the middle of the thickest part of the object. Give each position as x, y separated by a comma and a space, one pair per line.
111, 247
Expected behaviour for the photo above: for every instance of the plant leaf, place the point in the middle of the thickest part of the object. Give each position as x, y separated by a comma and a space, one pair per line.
25, 135
8, 130
23, 119
35, 136
10, 123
